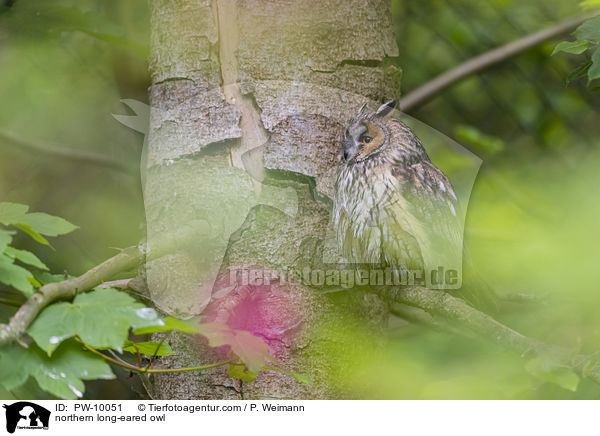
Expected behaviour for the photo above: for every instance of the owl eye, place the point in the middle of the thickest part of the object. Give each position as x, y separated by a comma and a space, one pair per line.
366, 139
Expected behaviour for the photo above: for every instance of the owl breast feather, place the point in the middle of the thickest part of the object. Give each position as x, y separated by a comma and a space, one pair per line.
373, 221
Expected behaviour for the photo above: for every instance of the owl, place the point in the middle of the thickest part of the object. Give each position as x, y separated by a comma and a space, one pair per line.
392, 206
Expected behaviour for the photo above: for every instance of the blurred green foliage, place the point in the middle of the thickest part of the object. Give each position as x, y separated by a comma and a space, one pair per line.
524, 101
65, 65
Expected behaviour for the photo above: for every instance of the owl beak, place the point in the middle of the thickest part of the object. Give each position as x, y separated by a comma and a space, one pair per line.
350, 149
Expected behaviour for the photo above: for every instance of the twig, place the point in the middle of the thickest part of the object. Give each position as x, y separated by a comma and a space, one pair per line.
153, 358
424, 93
65, 153
154, 371
139, 355
117, 357
122, 284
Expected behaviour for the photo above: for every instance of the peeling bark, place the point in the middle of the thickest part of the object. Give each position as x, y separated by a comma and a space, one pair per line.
244, 92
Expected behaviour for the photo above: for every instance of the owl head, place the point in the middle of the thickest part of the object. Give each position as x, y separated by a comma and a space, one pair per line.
377, 134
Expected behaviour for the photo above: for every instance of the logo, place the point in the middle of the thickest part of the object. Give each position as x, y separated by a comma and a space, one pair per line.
26, 415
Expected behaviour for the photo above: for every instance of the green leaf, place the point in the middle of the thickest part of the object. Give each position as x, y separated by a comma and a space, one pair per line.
15, 276
252, 350
579, 72
573, 47
168, 323
101, 318
46, 277
11, 213
34, 282
148, 348
549, 370
35, 235
34, 224
61, 375
241, 373
48, 225
5, 239
594, 71
589, 30
25, 257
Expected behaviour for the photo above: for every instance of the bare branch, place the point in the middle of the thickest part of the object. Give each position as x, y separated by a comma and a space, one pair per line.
429, 90
454, 310
65, 153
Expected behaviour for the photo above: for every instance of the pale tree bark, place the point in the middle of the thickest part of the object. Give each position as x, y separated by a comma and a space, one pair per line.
254, 94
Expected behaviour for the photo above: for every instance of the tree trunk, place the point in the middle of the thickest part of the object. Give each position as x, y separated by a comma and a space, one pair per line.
249, 102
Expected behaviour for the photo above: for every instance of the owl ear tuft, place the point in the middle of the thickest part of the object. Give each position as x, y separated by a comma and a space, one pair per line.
386, 109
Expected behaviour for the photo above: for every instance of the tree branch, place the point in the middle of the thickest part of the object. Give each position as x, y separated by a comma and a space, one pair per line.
429, 90
19, 323
65, 153
147, 370
452, 309
418, 316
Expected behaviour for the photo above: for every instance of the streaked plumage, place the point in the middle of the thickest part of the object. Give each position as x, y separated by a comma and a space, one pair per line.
393, 206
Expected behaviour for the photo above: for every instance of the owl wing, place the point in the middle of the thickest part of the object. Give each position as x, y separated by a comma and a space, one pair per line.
432, 197
423, 204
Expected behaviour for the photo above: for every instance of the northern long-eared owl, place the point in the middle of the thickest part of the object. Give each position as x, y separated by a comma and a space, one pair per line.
393, 207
